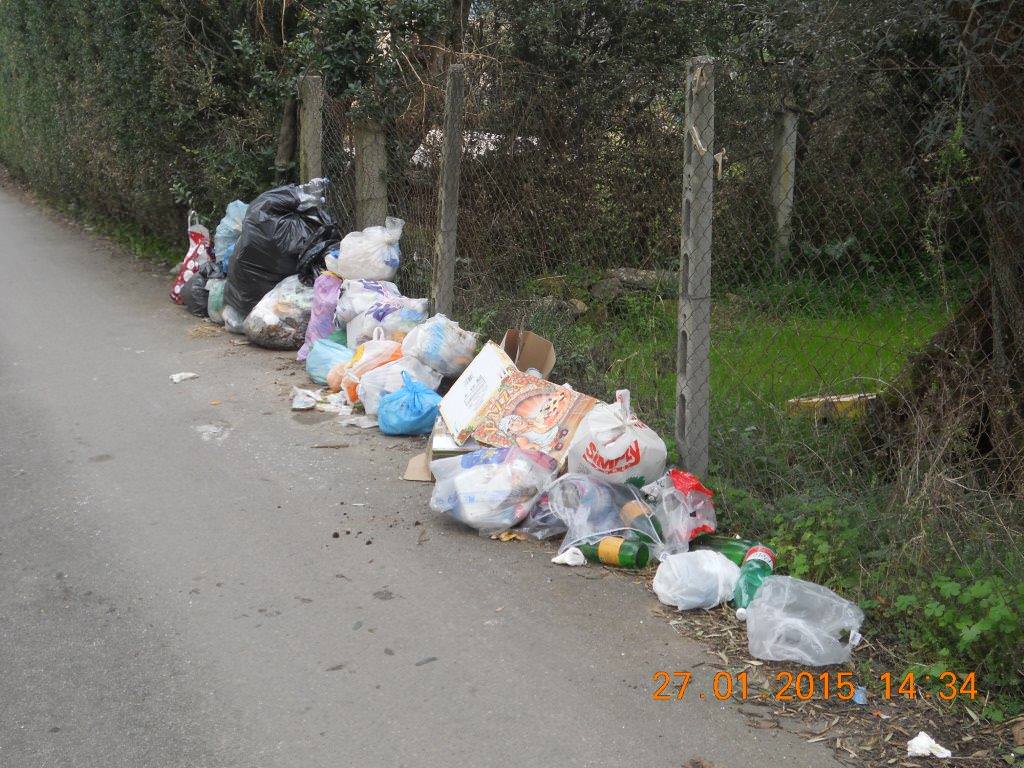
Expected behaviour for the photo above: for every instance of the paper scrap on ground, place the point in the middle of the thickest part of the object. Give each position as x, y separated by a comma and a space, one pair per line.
924, 745
304, 399
571, 556
177, 378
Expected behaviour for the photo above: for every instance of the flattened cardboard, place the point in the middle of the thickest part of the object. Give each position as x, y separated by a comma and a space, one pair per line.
418, 469
470, 393
529, 350
532, 413
441, 444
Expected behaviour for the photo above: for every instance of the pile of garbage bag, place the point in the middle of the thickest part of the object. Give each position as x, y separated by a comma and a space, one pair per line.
508, 448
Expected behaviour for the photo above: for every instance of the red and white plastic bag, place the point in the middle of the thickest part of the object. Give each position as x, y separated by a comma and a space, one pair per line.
684, 508
613, 443
198, 254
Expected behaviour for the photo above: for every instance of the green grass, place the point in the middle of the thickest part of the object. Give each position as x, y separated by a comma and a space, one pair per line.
760, 359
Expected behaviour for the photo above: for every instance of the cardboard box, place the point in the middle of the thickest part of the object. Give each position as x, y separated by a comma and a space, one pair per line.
528, 350
464, 402
532, 413
470, 393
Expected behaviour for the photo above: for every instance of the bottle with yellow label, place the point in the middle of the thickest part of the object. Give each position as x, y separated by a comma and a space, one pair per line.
617, 552
633, 515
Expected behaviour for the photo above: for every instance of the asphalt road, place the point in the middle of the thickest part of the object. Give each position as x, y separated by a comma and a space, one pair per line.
171, 593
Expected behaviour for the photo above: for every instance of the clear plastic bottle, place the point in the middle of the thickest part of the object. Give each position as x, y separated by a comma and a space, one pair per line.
313, 191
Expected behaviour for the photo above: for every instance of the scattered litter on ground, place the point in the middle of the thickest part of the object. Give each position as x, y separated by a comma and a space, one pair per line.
304, 399
924, 745
572, 556
177, 378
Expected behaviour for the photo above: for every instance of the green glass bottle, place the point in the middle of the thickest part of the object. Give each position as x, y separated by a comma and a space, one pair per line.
629, 514
617, 552
758, 564
734, 549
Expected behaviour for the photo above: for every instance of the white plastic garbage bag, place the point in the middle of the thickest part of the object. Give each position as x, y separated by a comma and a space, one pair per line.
491, 489
794, 620
700, 579
613, 443
397, 316
280, 318
372, 254
358, 295
442, 344
388, 378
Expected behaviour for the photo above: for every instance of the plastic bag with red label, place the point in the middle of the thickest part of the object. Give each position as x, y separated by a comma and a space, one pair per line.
683, 507
198, 254
613, 443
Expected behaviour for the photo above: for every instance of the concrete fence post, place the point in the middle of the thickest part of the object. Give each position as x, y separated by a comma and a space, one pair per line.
371, 173
783, 184
311, 127
442, 283
693, 367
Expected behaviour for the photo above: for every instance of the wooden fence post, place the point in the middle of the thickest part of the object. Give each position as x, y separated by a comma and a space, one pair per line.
442, 282
311, 127
783, 183
694, 341
371, 173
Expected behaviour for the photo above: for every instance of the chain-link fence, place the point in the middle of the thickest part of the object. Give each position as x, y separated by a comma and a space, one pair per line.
847, 231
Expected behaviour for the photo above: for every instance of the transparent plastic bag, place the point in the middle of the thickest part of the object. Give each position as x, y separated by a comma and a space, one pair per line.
371, 254
683, 507
358, 295
491, 489
372, 354
442, 344
326, 289
225, 237
613, 443
388, 378
592, 508
324, 355
280, 318
234, 321
396, 316
794, 620
541, 523
215, 299
409, 410
700, 579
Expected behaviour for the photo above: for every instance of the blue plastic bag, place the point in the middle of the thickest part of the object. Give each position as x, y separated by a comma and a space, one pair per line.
409, 410
324, 355
225, 237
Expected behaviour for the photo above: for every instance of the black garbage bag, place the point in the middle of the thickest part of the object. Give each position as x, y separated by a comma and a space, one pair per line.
313, 260
195, 294
278, 227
